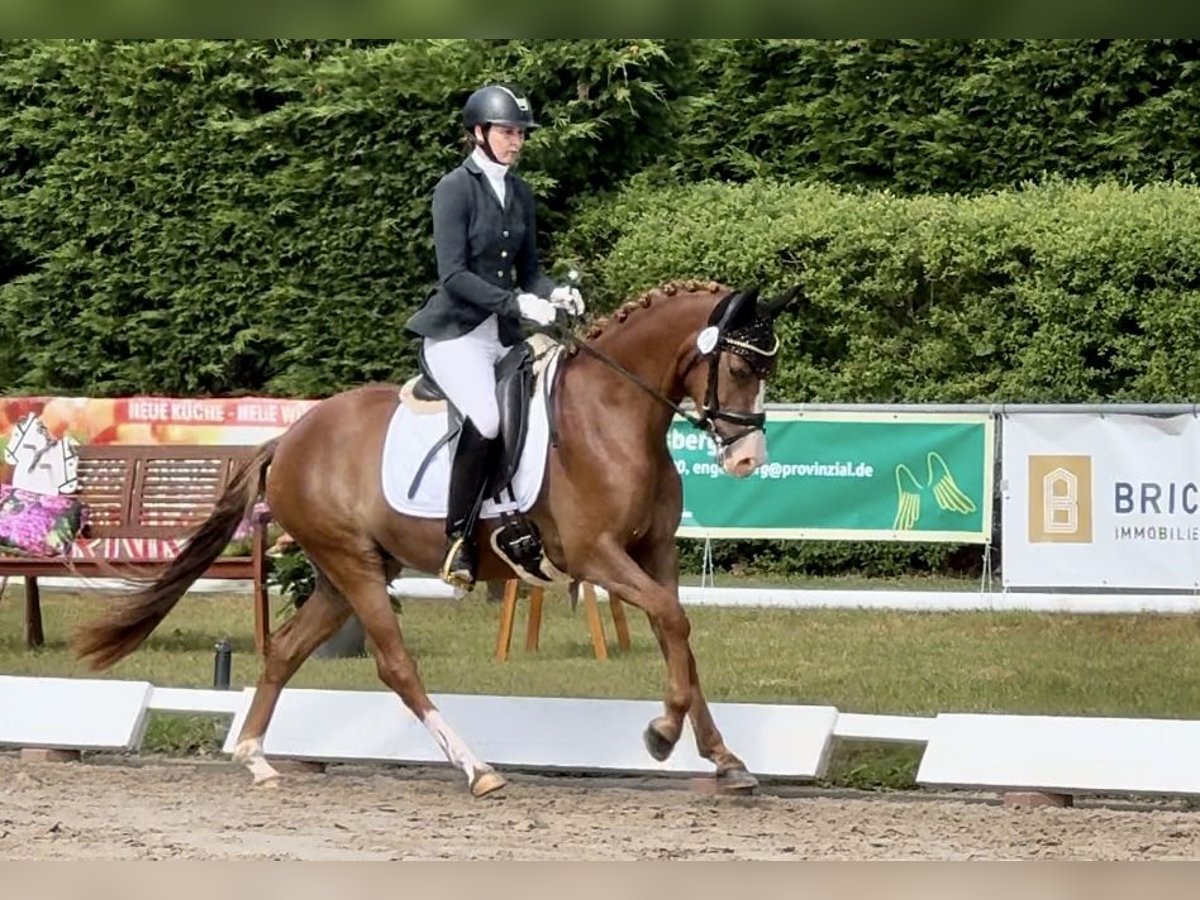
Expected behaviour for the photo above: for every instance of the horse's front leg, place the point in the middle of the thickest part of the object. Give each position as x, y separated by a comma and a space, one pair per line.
615, 570
660, 559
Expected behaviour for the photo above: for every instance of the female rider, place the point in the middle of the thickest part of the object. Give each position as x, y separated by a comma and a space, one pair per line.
489, 278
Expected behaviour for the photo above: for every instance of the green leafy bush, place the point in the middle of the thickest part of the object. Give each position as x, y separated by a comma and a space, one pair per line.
947, 115
971, 220
213, 217
203, 217
292, 575
1052, 293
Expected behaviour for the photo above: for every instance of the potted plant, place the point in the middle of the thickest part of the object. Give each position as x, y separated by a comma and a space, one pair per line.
294, 577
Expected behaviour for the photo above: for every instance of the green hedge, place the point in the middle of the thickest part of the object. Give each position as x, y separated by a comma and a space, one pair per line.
1060, 292
196, 217
920, 116
200, 217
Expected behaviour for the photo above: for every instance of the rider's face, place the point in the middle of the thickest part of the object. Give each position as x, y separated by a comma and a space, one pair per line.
505, 141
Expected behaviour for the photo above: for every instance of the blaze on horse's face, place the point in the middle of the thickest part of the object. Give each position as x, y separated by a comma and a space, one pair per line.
744, 392
745, 353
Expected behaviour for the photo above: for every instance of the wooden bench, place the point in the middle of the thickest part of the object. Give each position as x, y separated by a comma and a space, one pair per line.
142, 500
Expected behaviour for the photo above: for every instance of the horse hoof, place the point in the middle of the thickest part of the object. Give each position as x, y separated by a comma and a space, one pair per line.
658, 745
736, 781
267, 782
487, 783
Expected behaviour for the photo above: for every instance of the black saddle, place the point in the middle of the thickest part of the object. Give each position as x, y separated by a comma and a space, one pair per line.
514, 395
516, 539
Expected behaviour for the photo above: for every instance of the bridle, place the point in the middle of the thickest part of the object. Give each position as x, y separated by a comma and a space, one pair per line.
747, 341
751, 347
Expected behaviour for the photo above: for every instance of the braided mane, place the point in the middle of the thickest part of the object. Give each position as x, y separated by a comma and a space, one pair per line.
596, 327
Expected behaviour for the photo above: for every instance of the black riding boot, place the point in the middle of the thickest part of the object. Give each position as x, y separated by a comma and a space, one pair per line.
469, 473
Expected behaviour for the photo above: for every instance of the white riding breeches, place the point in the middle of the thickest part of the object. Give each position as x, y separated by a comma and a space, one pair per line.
464, 368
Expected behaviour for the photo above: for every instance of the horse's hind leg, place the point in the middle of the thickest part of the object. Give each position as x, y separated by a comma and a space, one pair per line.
363, 581
322, 614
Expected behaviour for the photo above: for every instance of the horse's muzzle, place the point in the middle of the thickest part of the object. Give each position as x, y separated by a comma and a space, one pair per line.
744, 455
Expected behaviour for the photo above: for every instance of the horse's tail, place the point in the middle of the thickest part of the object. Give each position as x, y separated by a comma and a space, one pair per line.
128, 622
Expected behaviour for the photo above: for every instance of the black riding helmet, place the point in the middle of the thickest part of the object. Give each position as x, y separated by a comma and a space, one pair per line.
498, 104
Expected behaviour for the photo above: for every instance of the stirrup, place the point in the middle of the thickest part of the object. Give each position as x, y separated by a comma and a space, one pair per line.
457, 578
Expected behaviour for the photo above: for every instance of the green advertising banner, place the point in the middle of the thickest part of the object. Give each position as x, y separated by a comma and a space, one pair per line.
839, 476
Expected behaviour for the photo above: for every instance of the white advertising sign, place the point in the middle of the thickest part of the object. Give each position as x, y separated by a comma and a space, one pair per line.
1101, 501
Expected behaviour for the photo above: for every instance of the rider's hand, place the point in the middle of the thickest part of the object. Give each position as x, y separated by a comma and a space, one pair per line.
536, 309
568, 298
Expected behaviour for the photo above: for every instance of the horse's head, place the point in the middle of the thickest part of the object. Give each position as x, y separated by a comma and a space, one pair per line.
738, 348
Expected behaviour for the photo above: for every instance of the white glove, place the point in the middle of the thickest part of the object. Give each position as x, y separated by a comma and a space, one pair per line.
568, 298
535, 308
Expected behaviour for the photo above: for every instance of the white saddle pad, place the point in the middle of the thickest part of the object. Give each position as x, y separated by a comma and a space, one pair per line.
412, 434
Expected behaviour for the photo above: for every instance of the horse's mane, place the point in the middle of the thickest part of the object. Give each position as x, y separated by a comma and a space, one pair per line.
596, 327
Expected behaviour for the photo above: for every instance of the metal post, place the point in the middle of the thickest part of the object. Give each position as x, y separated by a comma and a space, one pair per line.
222, 664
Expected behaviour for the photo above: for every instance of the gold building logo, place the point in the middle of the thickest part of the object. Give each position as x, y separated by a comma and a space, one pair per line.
1060, 499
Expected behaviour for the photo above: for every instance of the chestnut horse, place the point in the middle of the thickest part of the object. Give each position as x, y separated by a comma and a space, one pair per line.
608, 510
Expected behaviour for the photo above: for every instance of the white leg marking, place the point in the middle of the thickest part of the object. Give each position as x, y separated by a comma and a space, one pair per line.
250, 754
453, 746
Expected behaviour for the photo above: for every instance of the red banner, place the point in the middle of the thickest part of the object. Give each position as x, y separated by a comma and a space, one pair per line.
156, 420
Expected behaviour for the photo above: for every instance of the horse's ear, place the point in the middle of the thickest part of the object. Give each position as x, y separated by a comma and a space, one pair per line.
736, 310
747, 310
772, 308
